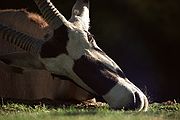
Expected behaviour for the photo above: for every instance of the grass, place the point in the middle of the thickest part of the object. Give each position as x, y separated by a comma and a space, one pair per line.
42, 112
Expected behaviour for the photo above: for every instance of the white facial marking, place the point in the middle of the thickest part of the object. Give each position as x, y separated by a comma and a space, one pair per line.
77, 44
120, 95
123, 93
63, 65
85, 18
64, 62
81, 21
146, 103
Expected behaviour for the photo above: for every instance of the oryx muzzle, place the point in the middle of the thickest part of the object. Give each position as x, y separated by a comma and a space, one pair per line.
72, 52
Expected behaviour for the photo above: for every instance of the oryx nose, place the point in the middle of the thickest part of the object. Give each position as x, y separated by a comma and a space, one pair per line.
136, 103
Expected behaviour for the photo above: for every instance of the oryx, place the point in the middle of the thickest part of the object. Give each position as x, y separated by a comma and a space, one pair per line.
72, 52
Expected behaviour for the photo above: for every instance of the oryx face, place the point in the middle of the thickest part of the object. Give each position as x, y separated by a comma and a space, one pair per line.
73, 52
92, 69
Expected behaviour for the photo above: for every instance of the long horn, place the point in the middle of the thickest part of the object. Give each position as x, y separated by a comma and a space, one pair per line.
21, 40
50, 13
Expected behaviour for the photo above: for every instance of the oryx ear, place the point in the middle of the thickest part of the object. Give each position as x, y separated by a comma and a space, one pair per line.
80, 12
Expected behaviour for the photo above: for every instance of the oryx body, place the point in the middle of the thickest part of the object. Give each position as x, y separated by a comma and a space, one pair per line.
71, 51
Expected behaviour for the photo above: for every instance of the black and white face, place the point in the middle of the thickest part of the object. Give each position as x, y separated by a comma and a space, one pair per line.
87, 65
100, 74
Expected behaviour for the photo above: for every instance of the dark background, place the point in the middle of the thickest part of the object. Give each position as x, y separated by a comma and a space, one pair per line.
142, 37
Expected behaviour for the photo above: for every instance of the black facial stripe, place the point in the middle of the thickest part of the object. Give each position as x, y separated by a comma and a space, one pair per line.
95, 74
57, 44
118, 71
92, 41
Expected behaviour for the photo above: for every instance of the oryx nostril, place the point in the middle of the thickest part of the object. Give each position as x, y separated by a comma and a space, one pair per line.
138, 102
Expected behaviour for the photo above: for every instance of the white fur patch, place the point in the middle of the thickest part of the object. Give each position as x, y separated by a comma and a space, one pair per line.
120, 95
81, 21
85, 20
62, 65
123, 93
77, 44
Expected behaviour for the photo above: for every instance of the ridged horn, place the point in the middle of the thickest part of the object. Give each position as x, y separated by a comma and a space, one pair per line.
54, 18
21, 40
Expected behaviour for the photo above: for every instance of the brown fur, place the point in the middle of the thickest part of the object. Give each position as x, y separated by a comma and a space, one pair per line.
26, 22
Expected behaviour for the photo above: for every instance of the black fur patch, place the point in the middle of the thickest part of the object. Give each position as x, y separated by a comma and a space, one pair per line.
57, 44
95, 74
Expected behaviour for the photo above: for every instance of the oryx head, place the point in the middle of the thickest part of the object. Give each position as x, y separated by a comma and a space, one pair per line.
73, 52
